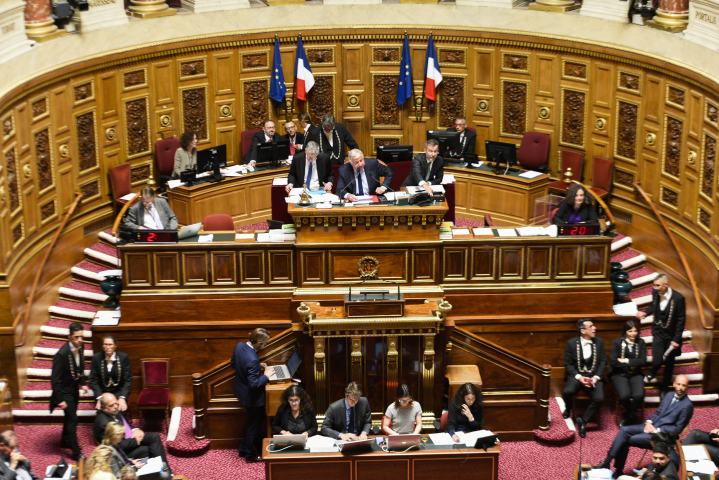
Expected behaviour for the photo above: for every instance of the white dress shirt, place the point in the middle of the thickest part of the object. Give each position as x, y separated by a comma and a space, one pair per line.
665, 299
151, 219
429, 169
329, 137
587, 348
315, 180
75, 354
365, 186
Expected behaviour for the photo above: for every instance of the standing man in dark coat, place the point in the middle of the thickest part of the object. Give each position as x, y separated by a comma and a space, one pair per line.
251, 376
333, 138
427, 168
467, 139
669, 312
110, 372
68, 377
311, 132
585, 361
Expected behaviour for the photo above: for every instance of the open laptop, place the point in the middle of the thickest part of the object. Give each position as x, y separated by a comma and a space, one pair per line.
356, 446
403, 442
284, 372
282, 441
189, 231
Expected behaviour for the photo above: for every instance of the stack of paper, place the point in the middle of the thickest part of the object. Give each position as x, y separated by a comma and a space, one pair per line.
153, 465
693, 453
323, 205
263, 237
443, 438
106, 318
321, 444
277, 235
506, 232
456, 232
363, 199
703, 466
174, 183
392, 196
445, 233
470, 438
477, 165
628, 309
289, 237
483, 232
448, 178
551, 230
530, 231
530, 174
288, 228
244, 236
292, 199
279, 181
205, 238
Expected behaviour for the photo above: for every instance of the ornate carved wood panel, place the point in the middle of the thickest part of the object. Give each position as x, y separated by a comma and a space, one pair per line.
11, 166
43, 159
712, 113
673, 148
629, 82
574, 70
18, 233
192, 68
452, 57
708, 166
8, 126
675, 96
84, 92
386, 55
626, 133
321, 99
252, 61
39, 108
385, 110
451, 100
140, 173
137, 127
515, 62
379, 141
134, 78
194, 111
86, 141
705, 219
90, 190
514, 108
48, 211
324, 56
624, 179
573, 112
670, 197
255, 108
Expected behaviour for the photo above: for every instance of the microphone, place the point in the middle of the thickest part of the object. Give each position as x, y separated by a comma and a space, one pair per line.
341, 195
390, 188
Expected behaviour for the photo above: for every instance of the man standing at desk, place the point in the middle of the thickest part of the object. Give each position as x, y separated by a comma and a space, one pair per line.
427, 168
361, 177
350, 418
332, 139
311, 168
267, 134
151, 213
296, 139
251, 376
467, 138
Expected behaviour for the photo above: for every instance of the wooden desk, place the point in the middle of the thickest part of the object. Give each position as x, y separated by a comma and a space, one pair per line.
458, 375
377, 465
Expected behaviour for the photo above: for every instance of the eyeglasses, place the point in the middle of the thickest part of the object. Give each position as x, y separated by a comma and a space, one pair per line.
294, 401
405, 400
656, 285
460, 124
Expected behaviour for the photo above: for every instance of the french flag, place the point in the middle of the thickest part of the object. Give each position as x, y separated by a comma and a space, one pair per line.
303, 73
433, 77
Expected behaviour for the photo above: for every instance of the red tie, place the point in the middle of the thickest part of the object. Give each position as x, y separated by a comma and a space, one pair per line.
269, 140
292, 147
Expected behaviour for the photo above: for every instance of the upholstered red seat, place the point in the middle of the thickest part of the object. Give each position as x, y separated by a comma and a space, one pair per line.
165, 155
155, 393
573, 160
401, 172
246, 139
218, 222
154, 396
533, 152
121, 185
601, 176
336, 173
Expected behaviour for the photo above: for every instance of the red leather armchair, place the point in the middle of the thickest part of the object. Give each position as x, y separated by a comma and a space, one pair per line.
602, 169
155, 394
121, 185
165, 155
573, 160
218, 222
401, 172
246, 139
533, 152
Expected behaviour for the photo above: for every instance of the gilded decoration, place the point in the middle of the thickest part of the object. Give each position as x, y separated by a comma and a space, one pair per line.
669, 197
90, 190
39, 108
650, 139
386, 54
711, 113
87, 147
483, 106
452, 57
194, 111
600, 124
368, 267
514, 108
708, 166
515, 62
256, 104
573, 113
672, 158
625, 138
384, 140
353, 101
84, 92
48, 211
192, 68
574, 70
225, 111
137, 127
624, 179
134, 79
140, 174
253, 61
18, 234
165, 121
385, 110
8, 126
11, 167
629, 82
110, 134
675, 97
321, 98
321, 56
64, 150
543, 113
450, 101
43, 157
704, 218
389, 217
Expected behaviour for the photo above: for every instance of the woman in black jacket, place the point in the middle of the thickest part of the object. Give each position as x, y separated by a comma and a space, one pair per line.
628, 356
295, 415
577, 207
465, 411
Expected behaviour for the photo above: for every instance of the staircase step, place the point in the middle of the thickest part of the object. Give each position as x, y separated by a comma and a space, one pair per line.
702, 399
683, 358
695, 379
103, 254
641, 276
82, 292
629, 259
620, 242
88, 272
73, 310
642, 297
649, 339
46, 349
34, 392
107, 237
40, 413
60, 329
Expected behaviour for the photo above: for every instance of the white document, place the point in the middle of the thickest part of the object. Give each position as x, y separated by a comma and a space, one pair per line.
443, 438
128, 197
279, 181
551, 230
106, 321
437, 188
628, 309
448, 178
205, 238
694, 452
324, 198
292, 199
703, 466
107, 314
231, 174
363, 197
412, 190
323, 205
461, 231
203, 174
236, 168
321, 444
297, 191
470, 438
153, 465
244, 236
530, 174
277, 236
484, 231
598, 473
263, 237
174, 183
290, 237
477, 165
392, 196
506, 232
670, 350
530, 231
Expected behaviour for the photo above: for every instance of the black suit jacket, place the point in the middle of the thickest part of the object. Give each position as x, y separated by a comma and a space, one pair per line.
311, 134
637, 358
299, 138
470, 138
372, 169
7, 474
335, 418
99, 376
419, 171
675, 328
346, 140
63, 386
570, 359
586, 213
127, 445
257, 139
282, 418
298, 175
668, 473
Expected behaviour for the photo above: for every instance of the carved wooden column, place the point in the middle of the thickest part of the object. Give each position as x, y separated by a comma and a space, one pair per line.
320, 374
150, 9
356, 359
39, 25
554, 5
392, 366
428, 382
671, 16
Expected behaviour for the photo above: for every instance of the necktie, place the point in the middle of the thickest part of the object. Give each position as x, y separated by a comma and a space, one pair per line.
429, 171
359, 188
128, 429
292, 146
156, 218
309, 175
351, 427
269, 139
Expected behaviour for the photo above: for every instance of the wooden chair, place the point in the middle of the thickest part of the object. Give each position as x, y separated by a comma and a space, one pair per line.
533, 152
155, 394
401, 172
165, 156
573, 160
602, 169
121, 185
336, 173
218, 222
246, 139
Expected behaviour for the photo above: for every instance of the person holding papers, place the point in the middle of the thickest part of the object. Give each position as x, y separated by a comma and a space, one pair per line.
404, 416
311, 168
465, 411
295, 415
577, 207
360, 177
628, 356
427, 168
114, 434
186, 155
350, 418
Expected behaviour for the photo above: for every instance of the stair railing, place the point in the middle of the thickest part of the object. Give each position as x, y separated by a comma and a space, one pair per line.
121, 215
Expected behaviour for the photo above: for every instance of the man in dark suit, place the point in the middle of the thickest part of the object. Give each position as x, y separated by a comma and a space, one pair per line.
13, 464
136, 444
699, 437
151, 213
297, 140
251, 376
674, 413
110, 372
312, 168
467, 138
311, 132
660, 463
349, 418
585, 360
67, 378
361, 177
669, 312
427, 168
267, 134
333, 138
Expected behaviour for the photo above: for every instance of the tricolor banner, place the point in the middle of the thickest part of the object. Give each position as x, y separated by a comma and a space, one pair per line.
303, 73
433, 76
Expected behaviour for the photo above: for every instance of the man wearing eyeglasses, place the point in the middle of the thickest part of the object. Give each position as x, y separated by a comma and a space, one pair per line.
467, 138
151, 213
669, 312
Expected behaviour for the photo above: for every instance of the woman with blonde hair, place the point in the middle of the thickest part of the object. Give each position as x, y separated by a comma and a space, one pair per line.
97, 467
114, 433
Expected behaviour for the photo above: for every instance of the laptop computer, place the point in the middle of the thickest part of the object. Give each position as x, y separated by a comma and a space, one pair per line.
282, 441
284, 372
403, 442
189, 231
357, 445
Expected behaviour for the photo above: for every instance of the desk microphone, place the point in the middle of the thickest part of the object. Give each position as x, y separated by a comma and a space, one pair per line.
389, 188
347, 186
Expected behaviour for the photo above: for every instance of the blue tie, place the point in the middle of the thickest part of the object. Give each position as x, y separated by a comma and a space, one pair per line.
309, 175
359, 184
351, 427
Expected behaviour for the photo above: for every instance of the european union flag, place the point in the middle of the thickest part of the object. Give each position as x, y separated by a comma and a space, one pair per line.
278, 90
405, 89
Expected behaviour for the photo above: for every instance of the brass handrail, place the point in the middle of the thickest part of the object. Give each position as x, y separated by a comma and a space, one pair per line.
38, 273
601, 202
683, 259
118, 219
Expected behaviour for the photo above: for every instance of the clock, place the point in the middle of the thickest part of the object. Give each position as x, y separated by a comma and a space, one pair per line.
579, 230
154, 236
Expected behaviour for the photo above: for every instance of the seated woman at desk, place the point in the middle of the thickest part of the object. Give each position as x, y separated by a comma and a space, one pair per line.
404, 416
465, 411
186, 155
295, 415
576, 208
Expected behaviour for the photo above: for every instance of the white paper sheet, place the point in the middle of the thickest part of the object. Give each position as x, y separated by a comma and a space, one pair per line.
448, 178
231, 174
702, 466
107, 314
600, 473
506, 232
484, 231
323, 205
693, 452
174, 183
530, 231
279, 181
68, 474
205, 238
461, 231
530, 174
263, 237
628, 309
106, 322
244, 236
551, 230
292, 199
470, 438
443, 438
438, 188
391, 196
321, 444
128, 197
297, 191
153, 465
290, 237
477, 165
